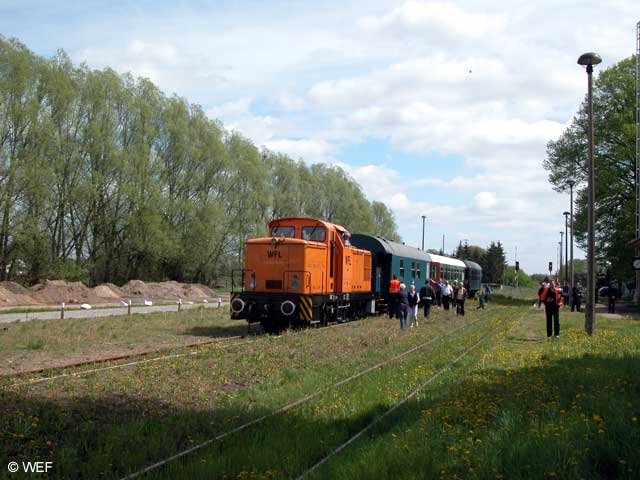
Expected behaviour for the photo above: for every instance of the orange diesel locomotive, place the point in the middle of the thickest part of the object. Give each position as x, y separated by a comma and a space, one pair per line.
306, 272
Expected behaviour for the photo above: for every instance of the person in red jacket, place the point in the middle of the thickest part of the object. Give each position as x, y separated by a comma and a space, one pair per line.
394, 293
552, 299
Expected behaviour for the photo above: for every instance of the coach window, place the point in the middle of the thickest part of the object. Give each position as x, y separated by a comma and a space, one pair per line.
314, 234
418, 268
401, 268
413, 269
286, 232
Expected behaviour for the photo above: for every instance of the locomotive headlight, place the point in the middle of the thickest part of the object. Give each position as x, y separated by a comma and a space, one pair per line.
287, 307
237, 305
252, 280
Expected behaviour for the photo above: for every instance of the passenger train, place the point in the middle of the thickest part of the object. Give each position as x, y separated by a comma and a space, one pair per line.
309, 272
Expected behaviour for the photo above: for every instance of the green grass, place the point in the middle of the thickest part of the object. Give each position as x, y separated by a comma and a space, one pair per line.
515, 296
518, 406
53, 343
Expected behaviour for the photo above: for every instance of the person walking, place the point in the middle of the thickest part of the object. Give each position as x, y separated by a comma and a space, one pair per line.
552, 299
612, 293
427, 296
447, 291
403, 306
481, 293
394, 290
576, 297
414, 302
565, 294
454, 295
543, 285
461, 296
439, 286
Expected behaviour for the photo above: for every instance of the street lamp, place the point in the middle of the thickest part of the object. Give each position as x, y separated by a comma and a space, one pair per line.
566, 246
424, 217
571, 184
559, 259
560, 264
589, 60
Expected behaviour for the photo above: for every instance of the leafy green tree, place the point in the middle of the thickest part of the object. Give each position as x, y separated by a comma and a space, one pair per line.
614, 154
104, 178
384, 222
524, 280
495, 263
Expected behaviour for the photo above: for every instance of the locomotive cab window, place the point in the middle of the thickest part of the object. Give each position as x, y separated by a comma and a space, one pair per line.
286, 232
314, 234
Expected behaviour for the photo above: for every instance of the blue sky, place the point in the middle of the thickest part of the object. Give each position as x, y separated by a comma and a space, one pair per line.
437, 108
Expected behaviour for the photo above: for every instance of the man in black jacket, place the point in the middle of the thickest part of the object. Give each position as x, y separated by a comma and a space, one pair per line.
576, 297
427, 295
612, 293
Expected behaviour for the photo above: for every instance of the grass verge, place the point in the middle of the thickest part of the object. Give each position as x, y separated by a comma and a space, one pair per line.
520, 406
56, 343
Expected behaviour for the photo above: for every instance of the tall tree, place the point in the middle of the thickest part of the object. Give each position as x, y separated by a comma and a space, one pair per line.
495, 263
614, 154
104, 178
384, 222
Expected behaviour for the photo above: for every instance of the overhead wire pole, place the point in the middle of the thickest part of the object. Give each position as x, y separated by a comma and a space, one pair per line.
636, 295
515, 269
571, 184
560, 259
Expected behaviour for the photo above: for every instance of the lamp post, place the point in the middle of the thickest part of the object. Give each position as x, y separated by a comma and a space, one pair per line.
566, 246
559, 259
589, 60
424, 217
560, 264
571, 184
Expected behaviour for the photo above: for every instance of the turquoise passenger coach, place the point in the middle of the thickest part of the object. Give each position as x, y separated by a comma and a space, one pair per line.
412, 266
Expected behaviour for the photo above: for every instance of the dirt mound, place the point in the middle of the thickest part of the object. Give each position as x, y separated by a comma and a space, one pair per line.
13, 294
16, 288
109, 291
167, 290
56, 291
197, 291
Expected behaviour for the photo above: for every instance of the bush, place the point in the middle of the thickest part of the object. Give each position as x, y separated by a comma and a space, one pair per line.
70, 271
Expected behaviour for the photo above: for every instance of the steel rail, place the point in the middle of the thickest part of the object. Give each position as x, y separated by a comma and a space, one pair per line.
378, 419
291, 405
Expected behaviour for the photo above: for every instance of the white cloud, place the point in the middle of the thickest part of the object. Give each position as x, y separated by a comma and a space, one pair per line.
236, 116
290, 102
310, 150
485, 201
445, 18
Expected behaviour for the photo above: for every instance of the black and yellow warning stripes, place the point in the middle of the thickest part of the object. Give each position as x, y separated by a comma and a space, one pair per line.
306, 308
233, 297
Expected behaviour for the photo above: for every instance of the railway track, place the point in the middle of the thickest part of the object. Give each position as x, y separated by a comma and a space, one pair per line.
117, 358
395, 407
301, 401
